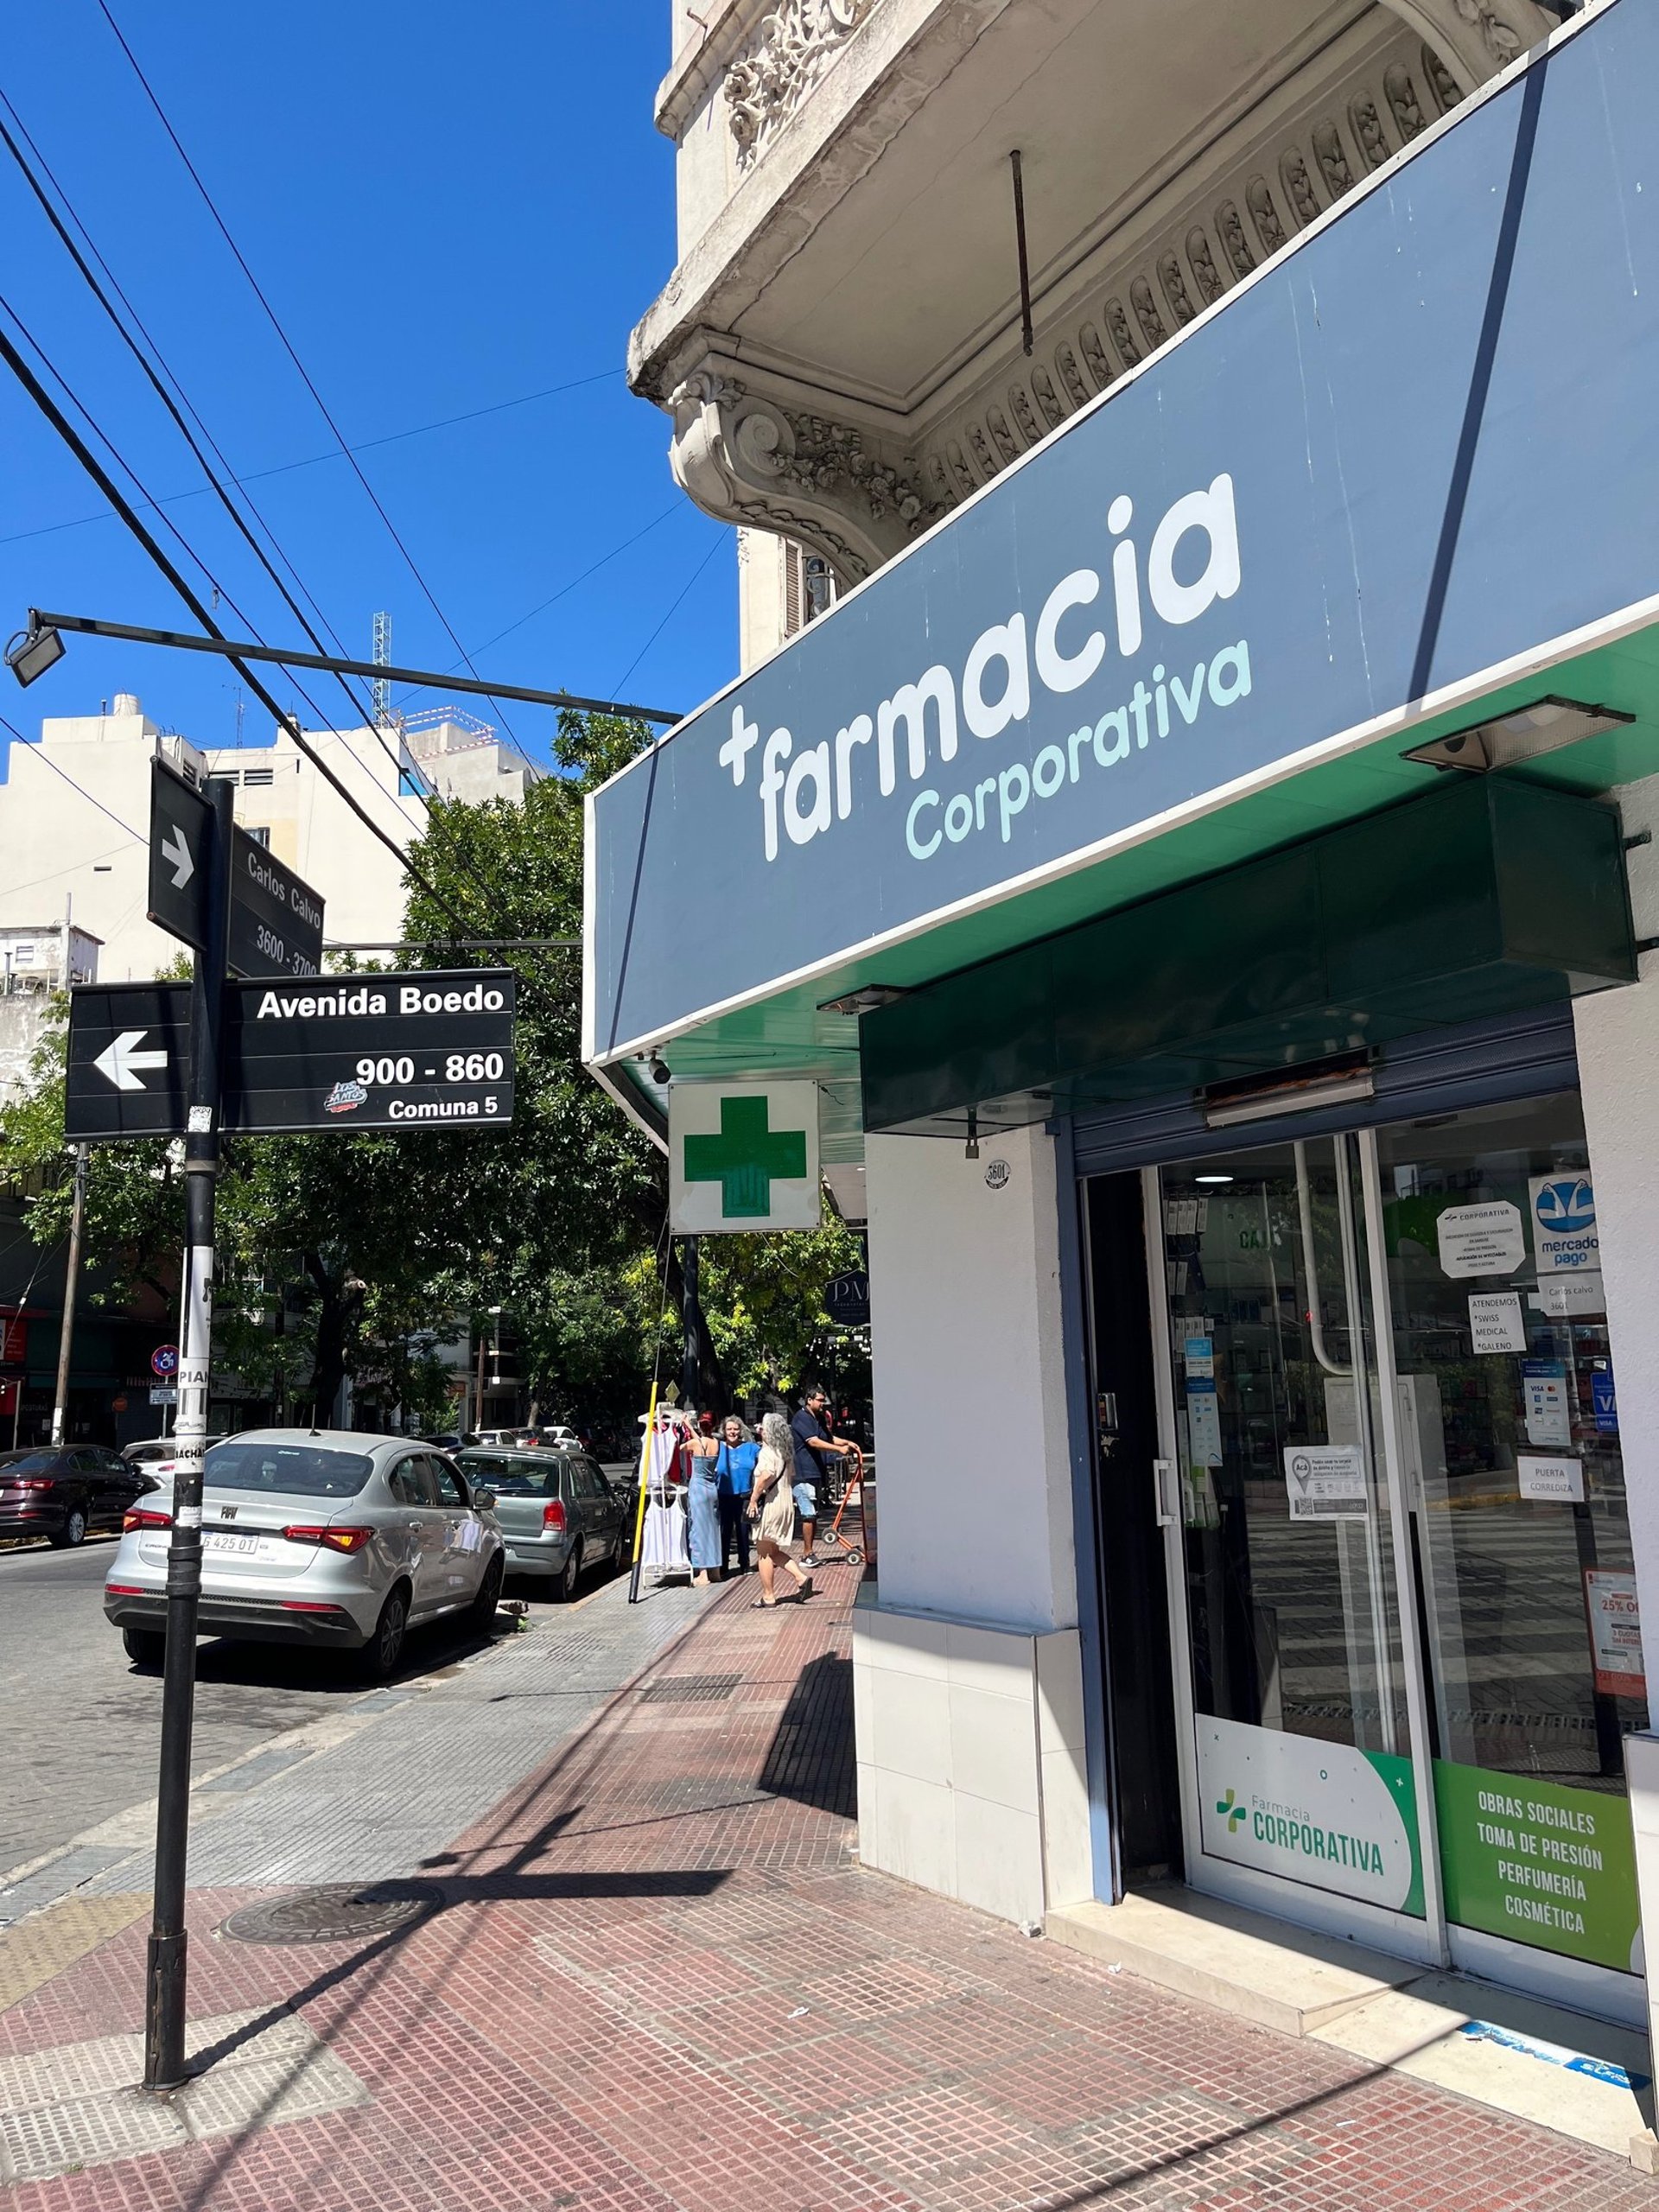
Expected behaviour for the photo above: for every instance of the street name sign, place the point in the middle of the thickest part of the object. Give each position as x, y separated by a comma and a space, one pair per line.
180, 842
430, 1051
427, 1050
276, 918
126, 1074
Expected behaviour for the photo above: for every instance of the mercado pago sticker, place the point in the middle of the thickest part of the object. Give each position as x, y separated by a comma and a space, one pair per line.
1540, 1862
1326, 1813
1564, 1238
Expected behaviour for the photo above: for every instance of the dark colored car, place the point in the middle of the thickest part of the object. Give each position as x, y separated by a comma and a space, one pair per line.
60, 1494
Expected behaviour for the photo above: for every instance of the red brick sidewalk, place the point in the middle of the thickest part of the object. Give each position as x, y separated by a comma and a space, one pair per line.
659, 1980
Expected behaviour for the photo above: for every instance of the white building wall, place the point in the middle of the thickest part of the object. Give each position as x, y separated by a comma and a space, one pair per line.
74, 822
967, 1672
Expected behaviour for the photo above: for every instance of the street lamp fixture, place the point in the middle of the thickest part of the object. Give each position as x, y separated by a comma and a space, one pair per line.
32, 652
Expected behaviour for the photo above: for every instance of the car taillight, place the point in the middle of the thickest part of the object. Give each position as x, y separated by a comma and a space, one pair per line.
333, 1540
137, 1517
553, 1517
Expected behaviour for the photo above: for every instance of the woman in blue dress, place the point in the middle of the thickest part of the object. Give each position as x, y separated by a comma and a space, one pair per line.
703, 1504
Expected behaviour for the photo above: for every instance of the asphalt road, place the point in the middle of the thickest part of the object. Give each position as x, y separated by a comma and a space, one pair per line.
83, 1729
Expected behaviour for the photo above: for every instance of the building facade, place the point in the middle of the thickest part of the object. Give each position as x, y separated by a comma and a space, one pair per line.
74, 818
1204, 859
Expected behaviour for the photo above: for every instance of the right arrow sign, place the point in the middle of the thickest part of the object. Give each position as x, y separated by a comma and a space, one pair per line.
180, 827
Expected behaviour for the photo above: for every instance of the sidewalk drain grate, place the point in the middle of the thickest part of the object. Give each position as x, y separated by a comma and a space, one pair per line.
339, 1913
690, 1689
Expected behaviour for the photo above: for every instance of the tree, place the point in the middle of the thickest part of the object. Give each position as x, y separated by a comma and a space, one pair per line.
344, 1254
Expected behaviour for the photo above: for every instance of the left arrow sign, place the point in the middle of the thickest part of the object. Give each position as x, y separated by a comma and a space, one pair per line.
128, 1050
123, 1059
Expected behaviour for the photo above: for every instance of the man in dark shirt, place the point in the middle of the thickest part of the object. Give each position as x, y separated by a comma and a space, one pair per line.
814, 1444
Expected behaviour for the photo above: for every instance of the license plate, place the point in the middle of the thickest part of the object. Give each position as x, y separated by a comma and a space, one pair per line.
214, 1539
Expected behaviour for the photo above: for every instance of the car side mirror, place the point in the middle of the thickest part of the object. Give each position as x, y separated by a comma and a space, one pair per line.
483, 1501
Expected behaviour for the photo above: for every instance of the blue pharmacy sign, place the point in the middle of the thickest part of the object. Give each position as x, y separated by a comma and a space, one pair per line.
1389, 468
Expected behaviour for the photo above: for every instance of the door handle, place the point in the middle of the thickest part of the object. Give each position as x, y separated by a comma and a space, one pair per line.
1163, 1476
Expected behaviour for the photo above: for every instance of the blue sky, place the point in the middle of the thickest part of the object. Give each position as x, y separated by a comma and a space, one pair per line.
448, 209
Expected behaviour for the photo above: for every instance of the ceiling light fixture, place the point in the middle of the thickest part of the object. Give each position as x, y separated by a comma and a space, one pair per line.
1510, 741
1339, 1080
865, 1000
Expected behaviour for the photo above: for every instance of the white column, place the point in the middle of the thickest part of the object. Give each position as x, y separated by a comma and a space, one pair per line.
967, 1670
1618, 1074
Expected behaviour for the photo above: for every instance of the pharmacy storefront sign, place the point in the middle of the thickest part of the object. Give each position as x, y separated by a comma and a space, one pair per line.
1236, 565
742, 1156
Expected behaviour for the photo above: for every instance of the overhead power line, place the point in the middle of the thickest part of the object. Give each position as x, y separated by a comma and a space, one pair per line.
89, 461
288, 349
220, 590
243, 476
365, 713
39, 752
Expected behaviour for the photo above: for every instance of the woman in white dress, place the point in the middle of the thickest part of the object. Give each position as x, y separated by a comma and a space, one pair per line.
771, 1507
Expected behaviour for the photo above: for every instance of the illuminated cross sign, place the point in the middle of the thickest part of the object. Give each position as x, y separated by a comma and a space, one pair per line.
743, 1158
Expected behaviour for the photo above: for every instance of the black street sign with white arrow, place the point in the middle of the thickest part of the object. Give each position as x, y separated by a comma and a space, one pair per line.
433, 1051
129, 1043
276, 918
180, 834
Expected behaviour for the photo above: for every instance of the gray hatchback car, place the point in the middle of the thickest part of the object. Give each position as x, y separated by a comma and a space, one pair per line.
559, 1514
319, 1537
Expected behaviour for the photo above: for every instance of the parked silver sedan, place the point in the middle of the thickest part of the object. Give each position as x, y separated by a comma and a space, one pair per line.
316, 1537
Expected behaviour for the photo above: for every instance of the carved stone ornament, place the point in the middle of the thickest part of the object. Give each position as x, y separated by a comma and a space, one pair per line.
798, 41
745, 458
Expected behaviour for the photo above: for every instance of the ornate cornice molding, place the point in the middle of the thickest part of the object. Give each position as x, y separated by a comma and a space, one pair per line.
762, 451
750, 458
1476, 38
769, 84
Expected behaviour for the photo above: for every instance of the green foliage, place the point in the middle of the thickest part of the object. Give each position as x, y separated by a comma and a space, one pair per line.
345, 1253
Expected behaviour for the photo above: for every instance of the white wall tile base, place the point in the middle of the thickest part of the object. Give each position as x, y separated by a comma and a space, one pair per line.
970, 1760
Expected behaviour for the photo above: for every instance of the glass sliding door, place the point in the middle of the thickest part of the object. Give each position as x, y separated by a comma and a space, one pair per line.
1301, 1710
1400, 1571
1522, 1532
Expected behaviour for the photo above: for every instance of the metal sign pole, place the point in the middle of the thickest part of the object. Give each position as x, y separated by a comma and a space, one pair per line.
72, 1284
164, 1986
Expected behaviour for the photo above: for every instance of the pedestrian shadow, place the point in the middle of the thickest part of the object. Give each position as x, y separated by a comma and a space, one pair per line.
811, 1757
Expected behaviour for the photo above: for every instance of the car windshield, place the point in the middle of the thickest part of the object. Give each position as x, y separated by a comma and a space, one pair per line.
28, 1462
511, 1474
159, 1450
305, 1470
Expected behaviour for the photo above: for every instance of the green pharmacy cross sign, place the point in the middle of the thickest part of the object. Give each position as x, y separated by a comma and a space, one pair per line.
745, 1157
742, 1156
